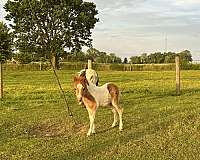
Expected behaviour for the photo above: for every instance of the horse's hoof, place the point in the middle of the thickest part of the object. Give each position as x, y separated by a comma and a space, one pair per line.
88, 134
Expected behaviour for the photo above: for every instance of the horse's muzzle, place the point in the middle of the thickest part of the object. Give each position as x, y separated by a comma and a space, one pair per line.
80, 102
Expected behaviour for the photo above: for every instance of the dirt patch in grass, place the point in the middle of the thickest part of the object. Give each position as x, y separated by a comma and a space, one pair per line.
56, 129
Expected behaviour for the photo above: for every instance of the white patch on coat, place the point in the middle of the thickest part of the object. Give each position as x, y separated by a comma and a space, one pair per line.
100, 94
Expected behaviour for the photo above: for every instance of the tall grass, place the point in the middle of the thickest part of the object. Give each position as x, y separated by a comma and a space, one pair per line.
157, 124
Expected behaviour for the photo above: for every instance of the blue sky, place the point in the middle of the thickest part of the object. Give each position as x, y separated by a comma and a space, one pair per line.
132, 27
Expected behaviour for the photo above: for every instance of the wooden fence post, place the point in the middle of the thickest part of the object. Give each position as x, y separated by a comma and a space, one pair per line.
177, 59
1, 80
40, 63
89, 64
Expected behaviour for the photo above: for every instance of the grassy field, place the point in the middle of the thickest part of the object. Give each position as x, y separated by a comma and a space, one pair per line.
34, 123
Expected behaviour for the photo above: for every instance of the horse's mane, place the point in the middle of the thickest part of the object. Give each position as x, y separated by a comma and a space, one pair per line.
82, 73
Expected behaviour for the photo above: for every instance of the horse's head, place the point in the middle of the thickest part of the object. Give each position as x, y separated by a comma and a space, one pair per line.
80, 86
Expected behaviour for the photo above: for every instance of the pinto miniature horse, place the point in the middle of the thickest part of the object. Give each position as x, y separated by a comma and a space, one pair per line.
93, 96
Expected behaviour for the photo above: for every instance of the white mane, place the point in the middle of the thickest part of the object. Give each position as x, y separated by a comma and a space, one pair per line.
90, 74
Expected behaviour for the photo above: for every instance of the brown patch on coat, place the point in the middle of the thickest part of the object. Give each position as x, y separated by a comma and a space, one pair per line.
114, 92
82, 80
87, 99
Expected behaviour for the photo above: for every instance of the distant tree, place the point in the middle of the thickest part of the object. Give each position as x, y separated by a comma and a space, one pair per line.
169, 57
45, 26
79, 56
23, 57
125, 60
144, 58
159, 58
152, 58
185, 56
102, 58
114, 59
135, 59
118, 60
6, 42
92, 54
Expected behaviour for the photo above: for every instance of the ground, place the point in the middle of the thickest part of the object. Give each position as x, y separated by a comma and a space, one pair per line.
34, 122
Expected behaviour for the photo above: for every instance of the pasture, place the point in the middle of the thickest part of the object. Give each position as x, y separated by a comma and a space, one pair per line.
34, 123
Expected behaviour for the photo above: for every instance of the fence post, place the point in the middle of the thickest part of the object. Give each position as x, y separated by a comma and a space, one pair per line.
130, 67
1, 80
89, 64
177, 59
40, 63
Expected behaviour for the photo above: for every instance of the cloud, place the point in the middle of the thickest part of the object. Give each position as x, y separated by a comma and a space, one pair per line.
129, 27
142, 24
186, 2
2, 11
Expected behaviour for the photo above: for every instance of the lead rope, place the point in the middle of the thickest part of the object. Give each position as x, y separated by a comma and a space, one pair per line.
63, 94
58, 81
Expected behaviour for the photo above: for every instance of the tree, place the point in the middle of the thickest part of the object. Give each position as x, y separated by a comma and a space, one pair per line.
46, 26
118, 60
169, 57
135, 60
185, 56
144, 58
159, 58
23, 57
125, 60
6, 40
92, 54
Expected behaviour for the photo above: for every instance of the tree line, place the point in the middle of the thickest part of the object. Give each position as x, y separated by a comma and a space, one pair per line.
158, 57
92, 54
103, 57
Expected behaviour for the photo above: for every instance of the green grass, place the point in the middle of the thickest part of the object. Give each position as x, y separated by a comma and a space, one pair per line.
34, 123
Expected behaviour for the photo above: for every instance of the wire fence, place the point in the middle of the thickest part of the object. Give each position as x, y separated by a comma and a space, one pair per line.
100, 66
27, 83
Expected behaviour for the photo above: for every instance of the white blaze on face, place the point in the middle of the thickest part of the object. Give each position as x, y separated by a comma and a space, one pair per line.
79, 92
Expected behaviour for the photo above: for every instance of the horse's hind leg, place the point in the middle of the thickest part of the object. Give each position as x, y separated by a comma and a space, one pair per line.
119, 111
115, 116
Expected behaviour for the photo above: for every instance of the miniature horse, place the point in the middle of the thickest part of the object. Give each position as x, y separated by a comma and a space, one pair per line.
93, 97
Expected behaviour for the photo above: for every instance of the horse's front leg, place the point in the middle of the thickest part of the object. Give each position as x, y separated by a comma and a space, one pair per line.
91, 117
115, 117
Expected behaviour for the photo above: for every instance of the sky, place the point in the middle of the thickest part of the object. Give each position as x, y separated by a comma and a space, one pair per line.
132, 27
